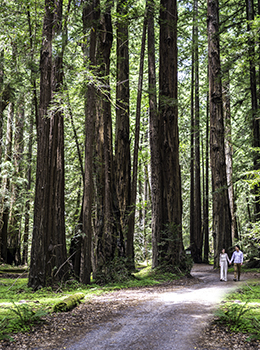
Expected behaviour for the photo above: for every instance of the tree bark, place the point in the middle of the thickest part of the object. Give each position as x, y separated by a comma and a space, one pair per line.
171, 249
48, 254
254, 105
34, 116
130, 236
221, 211
16, 214
197, 187
106, 233
122, 138
90, 18
6, 202
206, 200
155, 134
192, 228
229, 156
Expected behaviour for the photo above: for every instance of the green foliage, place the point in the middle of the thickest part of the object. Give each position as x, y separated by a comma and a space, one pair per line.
21, 318
232, 315
241, 312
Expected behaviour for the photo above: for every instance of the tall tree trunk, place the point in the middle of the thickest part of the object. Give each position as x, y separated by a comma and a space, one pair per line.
130, 236
15, 223
221, 211
6, 205
48, 254
106, 227
90, 18
122, 138
206, 200
171, 237
56, 224
1, 106
34, 116
34, 112
192, 228
255, 122
197, 187
1, 133
156, 175
40, 239
229, 155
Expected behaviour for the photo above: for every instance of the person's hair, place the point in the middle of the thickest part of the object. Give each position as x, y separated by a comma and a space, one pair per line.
237, 246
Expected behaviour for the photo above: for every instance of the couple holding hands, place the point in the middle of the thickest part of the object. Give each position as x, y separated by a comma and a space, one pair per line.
237, 258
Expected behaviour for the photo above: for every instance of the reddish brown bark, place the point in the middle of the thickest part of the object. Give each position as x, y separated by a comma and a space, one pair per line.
221, 211
122, 137
171, 237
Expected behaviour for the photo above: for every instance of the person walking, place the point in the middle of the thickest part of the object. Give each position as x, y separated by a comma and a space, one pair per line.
237, 257
223, 263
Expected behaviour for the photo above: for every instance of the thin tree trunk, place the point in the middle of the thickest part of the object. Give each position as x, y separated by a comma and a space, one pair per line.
90, 17
192, 231
6, 206
221, 211
254, 105
206, 202
16, 214
156, 176
34, 112
197, 187
130, 236
1, 108
122, 137
229, 155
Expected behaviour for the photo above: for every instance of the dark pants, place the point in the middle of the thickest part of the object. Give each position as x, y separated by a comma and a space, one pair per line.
237, 271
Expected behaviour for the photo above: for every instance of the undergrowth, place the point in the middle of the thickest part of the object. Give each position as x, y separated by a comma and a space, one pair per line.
21, 307
241, 311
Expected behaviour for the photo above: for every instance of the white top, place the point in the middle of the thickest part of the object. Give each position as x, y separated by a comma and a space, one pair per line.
237, 257
223, 257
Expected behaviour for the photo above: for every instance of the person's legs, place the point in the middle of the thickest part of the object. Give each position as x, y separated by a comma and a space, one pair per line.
225, 272
238, 271
221, 271
235, 271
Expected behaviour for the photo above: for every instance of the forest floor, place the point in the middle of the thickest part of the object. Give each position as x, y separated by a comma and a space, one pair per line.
173, 315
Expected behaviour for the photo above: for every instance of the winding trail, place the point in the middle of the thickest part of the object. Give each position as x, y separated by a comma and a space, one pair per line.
168, 320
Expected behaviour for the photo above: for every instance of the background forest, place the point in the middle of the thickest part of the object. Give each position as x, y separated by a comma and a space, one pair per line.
110, 151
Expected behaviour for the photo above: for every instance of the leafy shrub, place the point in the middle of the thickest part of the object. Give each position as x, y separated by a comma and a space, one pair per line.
239, 318
24, 317
231, 315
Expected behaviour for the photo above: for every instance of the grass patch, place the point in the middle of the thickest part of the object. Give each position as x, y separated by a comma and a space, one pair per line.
241, 311
21, 307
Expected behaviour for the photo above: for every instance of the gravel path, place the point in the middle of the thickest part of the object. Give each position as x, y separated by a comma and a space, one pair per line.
171, 320
174, 315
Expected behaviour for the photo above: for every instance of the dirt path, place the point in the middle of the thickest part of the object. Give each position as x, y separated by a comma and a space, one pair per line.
171, 316
170, 320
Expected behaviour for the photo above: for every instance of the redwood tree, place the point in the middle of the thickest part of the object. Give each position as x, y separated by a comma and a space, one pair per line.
122, 137
48, 253
221, 211
170, 245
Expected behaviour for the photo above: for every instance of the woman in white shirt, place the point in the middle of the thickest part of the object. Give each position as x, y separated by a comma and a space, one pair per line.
223, 263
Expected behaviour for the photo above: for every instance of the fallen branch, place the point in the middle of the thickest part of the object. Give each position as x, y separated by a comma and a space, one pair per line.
18, 279
68, 303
